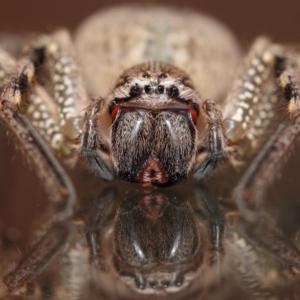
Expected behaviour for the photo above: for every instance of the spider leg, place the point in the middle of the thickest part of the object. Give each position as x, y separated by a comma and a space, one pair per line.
36, 104
96, 224
215, 143
263, 169
269, 160
250, 105
57, 119
268, 238
210, 211
56, 52
249, 112
60, 119
56, 181
91, 145
246, 113
71, 100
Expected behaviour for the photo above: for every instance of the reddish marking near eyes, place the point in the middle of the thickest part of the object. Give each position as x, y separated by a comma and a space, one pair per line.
197, 258
194, 115
114, 112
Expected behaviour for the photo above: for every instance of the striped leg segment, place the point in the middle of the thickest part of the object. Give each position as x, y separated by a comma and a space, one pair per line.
59, 118
70, 100
69, 93
269, 160
16, 99
252, 101
56, 181
30, 98
249, 110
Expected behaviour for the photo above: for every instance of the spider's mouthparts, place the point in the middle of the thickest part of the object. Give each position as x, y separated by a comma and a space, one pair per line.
152, 173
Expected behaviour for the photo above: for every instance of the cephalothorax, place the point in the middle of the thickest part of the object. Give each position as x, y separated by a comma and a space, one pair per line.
152, 107
175, 108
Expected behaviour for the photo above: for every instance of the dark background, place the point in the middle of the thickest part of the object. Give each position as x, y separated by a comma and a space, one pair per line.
278, 19
20, 191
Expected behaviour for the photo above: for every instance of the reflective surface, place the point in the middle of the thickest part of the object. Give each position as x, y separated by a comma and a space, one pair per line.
185, 242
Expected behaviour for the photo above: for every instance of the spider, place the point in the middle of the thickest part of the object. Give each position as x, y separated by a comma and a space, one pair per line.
155, 123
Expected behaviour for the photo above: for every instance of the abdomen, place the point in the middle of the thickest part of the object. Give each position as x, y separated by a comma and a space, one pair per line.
115, 39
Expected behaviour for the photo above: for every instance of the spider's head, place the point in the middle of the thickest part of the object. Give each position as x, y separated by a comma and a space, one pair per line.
154, 110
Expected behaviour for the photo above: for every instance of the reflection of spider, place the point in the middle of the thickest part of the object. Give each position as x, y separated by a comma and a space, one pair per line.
158, 244
153, 127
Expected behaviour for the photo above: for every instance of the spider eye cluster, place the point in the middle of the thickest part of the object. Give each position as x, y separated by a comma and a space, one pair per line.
136, 90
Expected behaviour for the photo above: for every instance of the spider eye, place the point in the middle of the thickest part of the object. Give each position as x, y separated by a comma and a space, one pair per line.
173, 91
161, 89
194, 115
135, 90
114, 112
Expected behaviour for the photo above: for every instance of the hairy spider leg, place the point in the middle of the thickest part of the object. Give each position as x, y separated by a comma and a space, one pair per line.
36, 103
56, 51
208, 210
252, 186
248, 112
57, 118
251, 103
56, 181
90, 143
71, 101
98, 220
215, 143
269, 160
